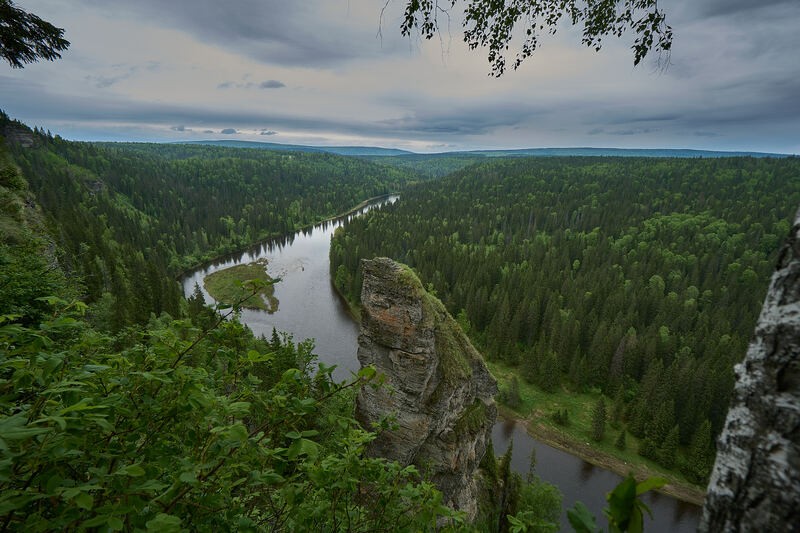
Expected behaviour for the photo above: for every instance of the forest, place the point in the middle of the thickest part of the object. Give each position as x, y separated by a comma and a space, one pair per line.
638, 278
128, 218
124, 406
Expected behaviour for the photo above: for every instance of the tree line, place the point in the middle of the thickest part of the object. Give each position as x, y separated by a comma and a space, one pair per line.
638, 277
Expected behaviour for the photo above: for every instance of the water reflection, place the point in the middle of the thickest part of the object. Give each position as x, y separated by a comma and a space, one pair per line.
587, 470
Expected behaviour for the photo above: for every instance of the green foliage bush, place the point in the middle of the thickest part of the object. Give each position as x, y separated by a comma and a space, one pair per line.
184, 428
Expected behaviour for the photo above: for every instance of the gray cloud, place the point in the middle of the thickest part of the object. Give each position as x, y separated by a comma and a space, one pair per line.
229, 131
271, 84
268, 84
474, 118
477, 124
626, 132
275, 31
733, 81
180, 128
713, 8
120, 72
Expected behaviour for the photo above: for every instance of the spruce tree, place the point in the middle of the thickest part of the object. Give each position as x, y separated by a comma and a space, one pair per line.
599, 420
701, 455
620, 442
669, 450
618, 408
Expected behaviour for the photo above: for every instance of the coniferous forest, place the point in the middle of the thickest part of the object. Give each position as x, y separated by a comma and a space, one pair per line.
640, 278
124, 406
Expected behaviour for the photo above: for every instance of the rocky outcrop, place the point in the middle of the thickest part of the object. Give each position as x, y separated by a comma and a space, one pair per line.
437, 386
755, 484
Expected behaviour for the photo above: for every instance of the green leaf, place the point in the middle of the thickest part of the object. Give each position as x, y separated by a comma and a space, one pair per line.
52, 300
70, 493
272, 478
621, 502
650, 484
368, 372
188, 477
131, 470
96, 521
102, 422
303, 447
82, 405
254, 356
60, 421
15, 428
636, 522
115, 524
581, 519
164, 523
84, 501
150, 485
239, 408
95, 368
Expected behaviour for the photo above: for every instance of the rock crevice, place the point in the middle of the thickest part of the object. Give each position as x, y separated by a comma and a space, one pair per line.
437, 386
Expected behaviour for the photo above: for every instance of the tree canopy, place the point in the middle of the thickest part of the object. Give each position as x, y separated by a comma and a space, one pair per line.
493, 24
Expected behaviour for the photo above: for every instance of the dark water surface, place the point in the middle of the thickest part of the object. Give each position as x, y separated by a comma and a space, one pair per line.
309, 307
579, 480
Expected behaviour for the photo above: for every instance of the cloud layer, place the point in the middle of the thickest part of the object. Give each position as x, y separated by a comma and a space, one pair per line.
317, 72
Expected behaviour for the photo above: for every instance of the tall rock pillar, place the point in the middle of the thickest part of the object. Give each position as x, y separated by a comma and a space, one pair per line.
437, 386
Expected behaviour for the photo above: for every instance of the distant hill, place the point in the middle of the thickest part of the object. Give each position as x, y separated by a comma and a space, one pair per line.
617, 152
339, 150
374, 151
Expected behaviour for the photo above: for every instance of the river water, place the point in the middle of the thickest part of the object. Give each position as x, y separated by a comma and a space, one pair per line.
309, 307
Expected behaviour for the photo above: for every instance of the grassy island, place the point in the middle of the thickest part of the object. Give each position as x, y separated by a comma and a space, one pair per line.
230, 285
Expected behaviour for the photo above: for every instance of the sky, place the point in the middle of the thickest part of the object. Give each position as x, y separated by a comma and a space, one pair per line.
338, 72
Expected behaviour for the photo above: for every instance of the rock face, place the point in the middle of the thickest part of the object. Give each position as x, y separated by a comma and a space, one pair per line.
755, 484
437, 385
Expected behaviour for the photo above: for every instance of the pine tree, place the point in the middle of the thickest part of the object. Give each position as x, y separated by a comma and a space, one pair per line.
669, 450
620, 442
618, 408
701, 455
599, 420
549, 378
514, 398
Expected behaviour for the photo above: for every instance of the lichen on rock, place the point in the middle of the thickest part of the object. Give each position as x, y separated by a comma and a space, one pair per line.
437, 387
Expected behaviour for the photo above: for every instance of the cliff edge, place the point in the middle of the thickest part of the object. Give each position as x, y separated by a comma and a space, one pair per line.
437, 387
755, 484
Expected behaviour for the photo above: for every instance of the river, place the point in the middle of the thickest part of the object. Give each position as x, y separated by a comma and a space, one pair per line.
309, 307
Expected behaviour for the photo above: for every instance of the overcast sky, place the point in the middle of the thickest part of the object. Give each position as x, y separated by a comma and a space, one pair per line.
317, 72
